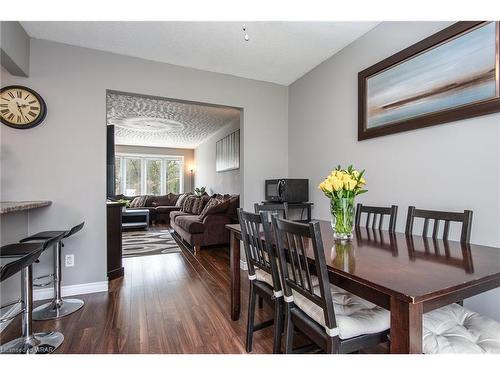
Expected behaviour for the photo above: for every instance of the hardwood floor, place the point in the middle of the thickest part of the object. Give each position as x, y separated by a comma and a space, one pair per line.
169, 303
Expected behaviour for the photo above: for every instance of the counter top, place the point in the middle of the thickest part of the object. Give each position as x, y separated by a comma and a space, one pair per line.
7, 207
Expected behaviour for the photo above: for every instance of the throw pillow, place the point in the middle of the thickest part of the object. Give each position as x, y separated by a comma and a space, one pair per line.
139, 201
180, 200
187, 205
234, 203
214, 206
199, 204
148, 201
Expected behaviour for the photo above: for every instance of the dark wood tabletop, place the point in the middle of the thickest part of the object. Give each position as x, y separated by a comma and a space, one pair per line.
408, 275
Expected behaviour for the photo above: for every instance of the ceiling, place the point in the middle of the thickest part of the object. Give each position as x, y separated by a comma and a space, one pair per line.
158, 122
278, 52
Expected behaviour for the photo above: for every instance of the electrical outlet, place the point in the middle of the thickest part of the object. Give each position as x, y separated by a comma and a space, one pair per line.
69, 260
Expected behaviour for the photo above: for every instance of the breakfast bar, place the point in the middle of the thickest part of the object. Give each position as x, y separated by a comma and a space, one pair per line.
16, 206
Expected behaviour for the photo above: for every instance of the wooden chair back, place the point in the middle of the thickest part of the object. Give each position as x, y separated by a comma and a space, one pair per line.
257, 238
377, 212
438, 216
293, 239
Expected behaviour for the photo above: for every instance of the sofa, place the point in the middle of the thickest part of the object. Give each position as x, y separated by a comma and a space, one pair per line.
205, 230
159, 206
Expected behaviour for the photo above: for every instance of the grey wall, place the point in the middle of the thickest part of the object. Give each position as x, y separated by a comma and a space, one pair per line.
450, 167
64, 159
227, 182
14, 48
165, 151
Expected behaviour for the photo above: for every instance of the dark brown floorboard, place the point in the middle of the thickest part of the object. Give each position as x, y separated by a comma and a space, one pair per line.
168, 303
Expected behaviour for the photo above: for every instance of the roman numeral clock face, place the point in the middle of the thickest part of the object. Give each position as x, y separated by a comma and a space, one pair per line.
21, 107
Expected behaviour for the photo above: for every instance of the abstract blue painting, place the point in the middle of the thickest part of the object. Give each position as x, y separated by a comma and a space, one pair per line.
458, 72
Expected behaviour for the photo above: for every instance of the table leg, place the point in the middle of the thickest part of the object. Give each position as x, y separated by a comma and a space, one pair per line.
234, 257
406, 327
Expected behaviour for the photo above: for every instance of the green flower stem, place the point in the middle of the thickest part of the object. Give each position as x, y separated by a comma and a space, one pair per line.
342, 210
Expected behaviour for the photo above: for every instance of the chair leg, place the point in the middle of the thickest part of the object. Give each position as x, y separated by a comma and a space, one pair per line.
332, 345
278, 326
196, 249
260, 301
251, 317
288, 331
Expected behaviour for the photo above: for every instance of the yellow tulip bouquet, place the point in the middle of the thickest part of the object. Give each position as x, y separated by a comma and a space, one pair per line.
341, 187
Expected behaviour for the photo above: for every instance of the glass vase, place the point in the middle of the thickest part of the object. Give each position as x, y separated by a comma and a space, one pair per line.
342, 211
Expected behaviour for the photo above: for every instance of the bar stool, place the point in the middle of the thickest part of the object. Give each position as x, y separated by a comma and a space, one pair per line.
29, 342
58, 307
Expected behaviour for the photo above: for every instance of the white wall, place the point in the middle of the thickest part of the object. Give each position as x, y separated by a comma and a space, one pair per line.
188, 154
449, 167
14, 48
64, 159
227, 182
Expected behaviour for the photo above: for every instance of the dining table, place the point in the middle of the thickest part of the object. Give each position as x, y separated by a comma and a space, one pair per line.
408, 275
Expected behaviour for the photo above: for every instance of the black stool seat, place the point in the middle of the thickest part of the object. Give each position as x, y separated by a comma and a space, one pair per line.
53, 233
58, 306
16, 250
45, 235
29, 342
17, 265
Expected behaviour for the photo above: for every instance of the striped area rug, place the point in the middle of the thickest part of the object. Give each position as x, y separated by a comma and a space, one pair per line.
140, 243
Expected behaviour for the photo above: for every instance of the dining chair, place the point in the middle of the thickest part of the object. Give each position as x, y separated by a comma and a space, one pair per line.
377, 212
438, 216
273, 208
334, 319
270, 208
262, 273
452, 328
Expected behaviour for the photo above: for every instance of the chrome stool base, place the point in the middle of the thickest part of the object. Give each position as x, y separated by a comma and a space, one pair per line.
57, 309
38, 343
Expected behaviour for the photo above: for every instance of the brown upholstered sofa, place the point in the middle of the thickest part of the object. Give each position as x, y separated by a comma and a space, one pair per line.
159, 206
211, 230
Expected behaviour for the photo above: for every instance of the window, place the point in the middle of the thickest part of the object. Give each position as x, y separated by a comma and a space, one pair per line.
148, 174
118, 175
133, 173
153, 176
173, 176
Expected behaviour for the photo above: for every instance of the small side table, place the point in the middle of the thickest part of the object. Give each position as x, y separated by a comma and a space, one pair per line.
135, 219
304, 205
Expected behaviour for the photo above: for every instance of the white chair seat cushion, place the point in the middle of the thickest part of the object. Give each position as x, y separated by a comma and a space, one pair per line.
454, 329
264, 276
355, 316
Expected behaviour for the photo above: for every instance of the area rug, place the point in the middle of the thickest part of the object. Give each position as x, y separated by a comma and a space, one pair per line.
140, 243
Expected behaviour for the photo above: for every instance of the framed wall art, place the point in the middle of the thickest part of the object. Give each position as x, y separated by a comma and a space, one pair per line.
451, 75
227, 152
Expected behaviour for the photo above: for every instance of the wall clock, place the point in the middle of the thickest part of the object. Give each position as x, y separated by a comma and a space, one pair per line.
21, 107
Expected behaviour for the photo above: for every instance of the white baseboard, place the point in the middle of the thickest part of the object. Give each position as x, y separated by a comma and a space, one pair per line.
71, 290
68, 290
243, 265
12, 311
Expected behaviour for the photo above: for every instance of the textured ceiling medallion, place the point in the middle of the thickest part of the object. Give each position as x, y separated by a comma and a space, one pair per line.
150, 124
158, 122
